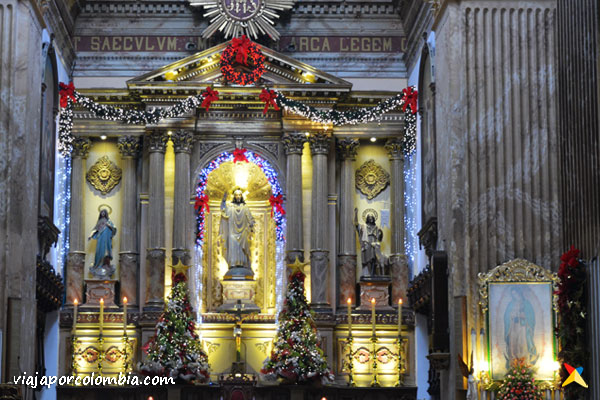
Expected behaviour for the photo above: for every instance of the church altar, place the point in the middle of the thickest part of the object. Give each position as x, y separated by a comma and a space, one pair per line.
191, 188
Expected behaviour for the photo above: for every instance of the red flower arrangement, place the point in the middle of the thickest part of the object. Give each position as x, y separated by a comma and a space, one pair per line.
241, 51
572, 316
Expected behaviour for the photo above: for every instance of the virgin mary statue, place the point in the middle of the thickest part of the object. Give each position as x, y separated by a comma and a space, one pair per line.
103, 232
235, 230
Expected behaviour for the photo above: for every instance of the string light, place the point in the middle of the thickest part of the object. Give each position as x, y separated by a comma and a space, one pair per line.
63, 216
278, 217
411, 244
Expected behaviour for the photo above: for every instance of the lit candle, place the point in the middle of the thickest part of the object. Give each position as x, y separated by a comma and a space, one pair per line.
373, 314
101, 319
399, 315
349, 316
75, 302
124, 315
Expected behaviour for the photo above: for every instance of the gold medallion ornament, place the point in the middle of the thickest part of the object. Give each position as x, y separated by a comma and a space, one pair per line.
242, 17
104, 175
371, 179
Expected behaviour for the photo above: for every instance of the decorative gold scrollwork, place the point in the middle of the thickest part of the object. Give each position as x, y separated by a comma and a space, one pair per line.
517, 270
104, 175
371, 179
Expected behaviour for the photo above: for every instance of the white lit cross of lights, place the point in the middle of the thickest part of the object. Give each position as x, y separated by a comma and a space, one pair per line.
242, 17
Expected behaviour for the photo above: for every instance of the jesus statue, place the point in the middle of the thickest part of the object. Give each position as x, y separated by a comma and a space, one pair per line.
235, 230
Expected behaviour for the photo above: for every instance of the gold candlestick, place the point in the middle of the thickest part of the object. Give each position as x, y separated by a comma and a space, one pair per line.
350, 341
400, 381
375, 381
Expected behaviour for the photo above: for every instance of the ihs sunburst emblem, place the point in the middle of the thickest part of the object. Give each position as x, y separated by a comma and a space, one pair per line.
242, 17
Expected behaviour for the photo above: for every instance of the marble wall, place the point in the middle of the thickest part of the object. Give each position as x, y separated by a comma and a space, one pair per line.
20, 105
496, 146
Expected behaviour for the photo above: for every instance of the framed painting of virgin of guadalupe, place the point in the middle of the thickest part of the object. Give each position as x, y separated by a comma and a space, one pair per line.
518, 301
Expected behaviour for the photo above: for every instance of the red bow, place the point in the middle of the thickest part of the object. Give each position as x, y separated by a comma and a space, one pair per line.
410, 99
268, 97
277, 202
209, 96
66, 92
241, 47
202, 202
239, 155
178, 277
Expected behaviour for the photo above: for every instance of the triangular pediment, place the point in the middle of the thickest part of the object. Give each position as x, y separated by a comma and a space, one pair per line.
203, 69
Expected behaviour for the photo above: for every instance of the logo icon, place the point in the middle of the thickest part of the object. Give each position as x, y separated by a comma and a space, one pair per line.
575, 376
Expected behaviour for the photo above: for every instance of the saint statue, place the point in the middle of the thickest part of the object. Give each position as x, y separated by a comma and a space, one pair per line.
103, 232
235, 230
519, 327
370, 236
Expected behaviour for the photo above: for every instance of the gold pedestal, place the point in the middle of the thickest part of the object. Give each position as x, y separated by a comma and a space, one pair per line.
243, 290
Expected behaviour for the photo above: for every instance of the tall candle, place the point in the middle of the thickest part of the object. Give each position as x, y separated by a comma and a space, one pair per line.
101, 319
349, 316
124, 315
399, 315
373, 319
75, 302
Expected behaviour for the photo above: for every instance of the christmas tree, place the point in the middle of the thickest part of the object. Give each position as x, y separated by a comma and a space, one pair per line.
175, 350
519, 383
296, 355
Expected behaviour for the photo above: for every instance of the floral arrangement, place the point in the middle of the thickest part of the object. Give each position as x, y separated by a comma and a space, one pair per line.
519, 383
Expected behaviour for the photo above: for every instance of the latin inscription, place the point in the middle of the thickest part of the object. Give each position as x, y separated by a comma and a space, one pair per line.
286, 44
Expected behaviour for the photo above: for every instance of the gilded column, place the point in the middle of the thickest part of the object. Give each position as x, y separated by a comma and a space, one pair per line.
398, 260
319, 252
293, 144
76, 256
346, 149
129, 147
155, 267
182, 224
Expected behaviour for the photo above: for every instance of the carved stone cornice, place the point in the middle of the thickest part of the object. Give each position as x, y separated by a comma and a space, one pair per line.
129, 146
347, 148
428, 236
183, 141
395, 148
319, 143
293, 143
157, 141
81, 147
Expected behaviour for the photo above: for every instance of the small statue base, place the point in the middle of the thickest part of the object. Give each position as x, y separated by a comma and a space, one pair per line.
243, 290
239, 273
375, 287
100, 289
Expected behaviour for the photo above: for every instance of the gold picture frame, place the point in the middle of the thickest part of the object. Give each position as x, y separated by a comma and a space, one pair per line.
519, 304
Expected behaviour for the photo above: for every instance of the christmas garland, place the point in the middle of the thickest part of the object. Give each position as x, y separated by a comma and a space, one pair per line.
243, 50
407, 100
572, 321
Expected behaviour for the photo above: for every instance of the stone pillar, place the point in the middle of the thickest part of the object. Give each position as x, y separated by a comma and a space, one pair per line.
398, 260
76, 256
155, 266
129, 147
182, 225
346, 149
319, 252
293, 144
